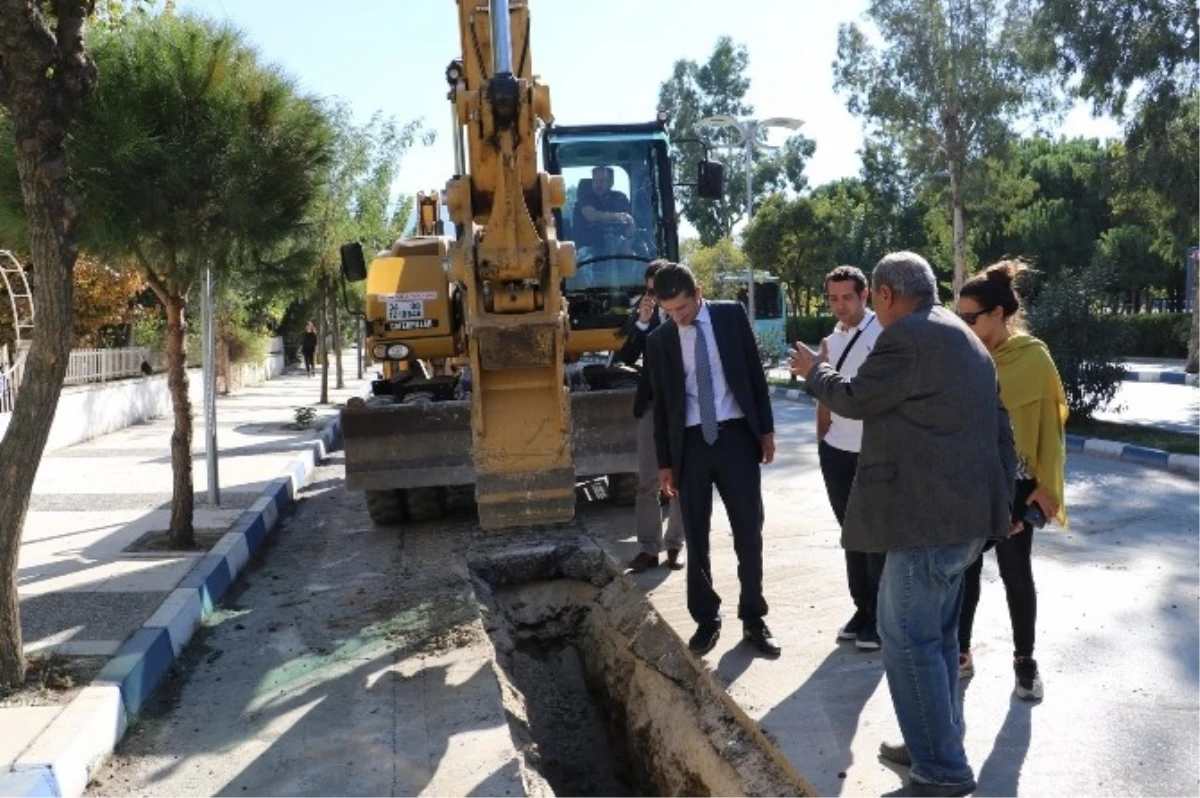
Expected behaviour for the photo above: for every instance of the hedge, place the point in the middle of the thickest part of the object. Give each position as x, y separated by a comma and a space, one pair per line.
1154, 334
809, 329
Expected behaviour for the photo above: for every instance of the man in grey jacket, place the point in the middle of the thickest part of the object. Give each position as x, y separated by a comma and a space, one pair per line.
934, 483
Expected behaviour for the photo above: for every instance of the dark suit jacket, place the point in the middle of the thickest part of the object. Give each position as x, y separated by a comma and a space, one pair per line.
937, 464
743, 374
633, 348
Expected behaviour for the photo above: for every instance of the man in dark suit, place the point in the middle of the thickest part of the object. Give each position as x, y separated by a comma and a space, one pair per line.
713, 425
934, 482
645, 319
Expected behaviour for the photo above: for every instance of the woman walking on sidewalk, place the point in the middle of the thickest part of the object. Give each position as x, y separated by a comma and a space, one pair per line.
309, 347
1032, 393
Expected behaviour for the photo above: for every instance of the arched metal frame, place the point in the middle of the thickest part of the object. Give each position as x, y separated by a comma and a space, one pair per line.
20, 298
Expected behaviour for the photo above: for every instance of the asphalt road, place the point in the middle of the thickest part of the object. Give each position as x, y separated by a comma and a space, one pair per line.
298, 686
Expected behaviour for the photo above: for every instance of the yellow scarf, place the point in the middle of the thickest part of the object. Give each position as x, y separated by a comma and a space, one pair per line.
1033, 396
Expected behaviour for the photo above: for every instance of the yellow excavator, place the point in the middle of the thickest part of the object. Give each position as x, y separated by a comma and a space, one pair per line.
495, 344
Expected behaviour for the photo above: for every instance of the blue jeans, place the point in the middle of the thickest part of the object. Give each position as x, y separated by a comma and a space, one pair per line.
920, 595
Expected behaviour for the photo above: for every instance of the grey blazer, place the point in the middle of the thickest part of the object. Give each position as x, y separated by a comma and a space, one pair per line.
938, 463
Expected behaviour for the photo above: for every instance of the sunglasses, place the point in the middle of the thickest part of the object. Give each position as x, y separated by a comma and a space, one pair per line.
969, 318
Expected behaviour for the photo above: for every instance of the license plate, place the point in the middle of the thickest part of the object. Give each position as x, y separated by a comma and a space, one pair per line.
413, 324
405, 309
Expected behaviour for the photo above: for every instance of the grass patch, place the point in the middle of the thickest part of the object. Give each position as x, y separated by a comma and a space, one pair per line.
1173, 442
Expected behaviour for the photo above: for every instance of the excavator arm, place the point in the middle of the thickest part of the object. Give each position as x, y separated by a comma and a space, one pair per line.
511, 266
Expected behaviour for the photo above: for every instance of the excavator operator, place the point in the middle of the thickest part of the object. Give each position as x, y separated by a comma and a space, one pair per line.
603, 216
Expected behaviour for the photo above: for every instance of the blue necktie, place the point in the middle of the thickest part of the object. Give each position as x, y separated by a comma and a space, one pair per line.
704, 388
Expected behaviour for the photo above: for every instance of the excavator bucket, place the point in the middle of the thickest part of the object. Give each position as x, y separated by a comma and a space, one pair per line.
390, 446
400, 446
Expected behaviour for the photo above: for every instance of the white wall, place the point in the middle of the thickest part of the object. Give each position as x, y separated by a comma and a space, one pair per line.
88, 411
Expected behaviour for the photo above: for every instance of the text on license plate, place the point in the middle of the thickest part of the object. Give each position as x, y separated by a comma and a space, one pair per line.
403, 309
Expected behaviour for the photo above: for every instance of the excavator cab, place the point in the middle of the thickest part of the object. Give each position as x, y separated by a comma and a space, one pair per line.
619, 213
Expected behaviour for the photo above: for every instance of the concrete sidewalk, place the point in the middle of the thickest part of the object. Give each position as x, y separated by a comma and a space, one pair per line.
89, 589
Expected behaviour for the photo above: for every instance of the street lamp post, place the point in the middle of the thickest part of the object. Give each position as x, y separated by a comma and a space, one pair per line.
749, 130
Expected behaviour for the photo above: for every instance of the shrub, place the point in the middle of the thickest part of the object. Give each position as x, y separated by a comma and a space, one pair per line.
771, 347
245, 346
305, 417
1153, 334
1084, 344
809, 329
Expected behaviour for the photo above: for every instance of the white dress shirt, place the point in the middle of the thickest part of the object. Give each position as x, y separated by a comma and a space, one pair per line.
727, 406
846, 433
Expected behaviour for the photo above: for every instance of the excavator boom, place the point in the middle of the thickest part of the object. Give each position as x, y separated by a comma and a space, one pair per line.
508, 258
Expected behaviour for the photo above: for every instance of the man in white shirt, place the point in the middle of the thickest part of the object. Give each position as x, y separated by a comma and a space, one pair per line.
840, 440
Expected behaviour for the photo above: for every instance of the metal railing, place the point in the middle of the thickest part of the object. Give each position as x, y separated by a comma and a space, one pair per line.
10, 379
101, 365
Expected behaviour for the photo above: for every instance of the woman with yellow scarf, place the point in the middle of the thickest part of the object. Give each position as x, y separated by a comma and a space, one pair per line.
1033, 396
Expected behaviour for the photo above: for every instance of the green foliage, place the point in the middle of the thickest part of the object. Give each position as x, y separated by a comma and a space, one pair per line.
150, 330
192, 152
719, 86
1152, 334
354, 199
1116, 47
810, 329
945, 84
305, 417
792, 239
721, 259
1083, 346
1128, 254
771, 347
1113, 45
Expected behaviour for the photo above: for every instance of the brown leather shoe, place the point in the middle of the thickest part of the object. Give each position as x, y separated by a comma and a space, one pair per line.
642, 562
676, 559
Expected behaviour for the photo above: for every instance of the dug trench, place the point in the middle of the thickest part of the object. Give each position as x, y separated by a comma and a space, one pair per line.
601, 695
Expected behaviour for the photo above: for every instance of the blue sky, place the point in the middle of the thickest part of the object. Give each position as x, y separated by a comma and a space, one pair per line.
603, 61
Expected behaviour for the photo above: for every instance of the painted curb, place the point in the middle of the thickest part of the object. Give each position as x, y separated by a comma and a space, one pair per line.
61, 760
1167, 376
1186, 464
792, 395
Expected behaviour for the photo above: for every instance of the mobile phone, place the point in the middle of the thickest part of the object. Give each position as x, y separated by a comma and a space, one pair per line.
1034, 515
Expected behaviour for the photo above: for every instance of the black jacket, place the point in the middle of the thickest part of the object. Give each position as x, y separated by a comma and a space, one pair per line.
744, 375
633, 348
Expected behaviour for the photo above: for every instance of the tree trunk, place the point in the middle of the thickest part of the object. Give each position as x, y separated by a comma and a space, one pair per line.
335, 312
1193, 361
960, 231
182, 533
44, 76
322, 331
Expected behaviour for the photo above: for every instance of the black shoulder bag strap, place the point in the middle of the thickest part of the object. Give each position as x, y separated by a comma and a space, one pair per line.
849, 346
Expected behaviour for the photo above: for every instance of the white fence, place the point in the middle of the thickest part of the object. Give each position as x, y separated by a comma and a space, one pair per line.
101, 365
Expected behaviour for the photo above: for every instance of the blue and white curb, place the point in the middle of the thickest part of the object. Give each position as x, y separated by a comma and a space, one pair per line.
61, 760
1186, 464
791, 394
1172, 377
